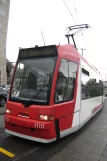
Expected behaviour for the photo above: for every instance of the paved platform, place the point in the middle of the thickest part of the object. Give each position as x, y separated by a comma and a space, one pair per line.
2, 110
88, 144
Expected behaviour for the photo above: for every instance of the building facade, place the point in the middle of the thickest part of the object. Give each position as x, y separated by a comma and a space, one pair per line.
9, 69
4, 16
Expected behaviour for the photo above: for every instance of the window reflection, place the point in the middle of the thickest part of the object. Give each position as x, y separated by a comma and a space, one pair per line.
66, 81
33, 78
91, 86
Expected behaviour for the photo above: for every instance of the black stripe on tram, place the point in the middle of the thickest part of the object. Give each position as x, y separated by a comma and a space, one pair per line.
57, 129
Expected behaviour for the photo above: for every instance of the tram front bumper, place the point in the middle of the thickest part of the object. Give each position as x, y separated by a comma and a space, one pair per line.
40, 131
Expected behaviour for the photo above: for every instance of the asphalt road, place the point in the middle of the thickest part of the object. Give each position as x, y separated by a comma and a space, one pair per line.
89, 144
1, 121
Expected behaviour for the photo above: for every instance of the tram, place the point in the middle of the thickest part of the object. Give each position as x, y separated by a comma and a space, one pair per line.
54, 92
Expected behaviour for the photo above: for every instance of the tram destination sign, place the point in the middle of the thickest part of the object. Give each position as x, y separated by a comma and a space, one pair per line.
45, 51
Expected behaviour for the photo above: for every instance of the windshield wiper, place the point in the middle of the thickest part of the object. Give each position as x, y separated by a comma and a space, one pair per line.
26, 101
20, 100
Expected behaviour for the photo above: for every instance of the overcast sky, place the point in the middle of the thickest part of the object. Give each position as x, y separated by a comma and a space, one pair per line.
29, 17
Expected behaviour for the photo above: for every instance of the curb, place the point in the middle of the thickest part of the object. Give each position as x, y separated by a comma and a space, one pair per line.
2, 113
2, 110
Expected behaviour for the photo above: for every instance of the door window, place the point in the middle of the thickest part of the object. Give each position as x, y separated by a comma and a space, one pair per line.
66, 81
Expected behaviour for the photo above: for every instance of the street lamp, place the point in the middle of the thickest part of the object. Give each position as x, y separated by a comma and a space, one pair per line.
82, 50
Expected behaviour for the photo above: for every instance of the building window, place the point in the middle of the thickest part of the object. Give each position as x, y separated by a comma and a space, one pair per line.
3, 1
0, 77
66, 81
2, 11
0, 24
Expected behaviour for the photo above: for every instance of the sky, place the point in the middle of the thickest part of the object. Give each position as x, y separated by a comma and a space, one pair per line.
28, 18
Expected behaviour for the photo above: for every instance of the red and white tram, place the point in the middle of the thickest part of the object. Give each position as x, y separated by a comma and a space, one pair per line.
54, 92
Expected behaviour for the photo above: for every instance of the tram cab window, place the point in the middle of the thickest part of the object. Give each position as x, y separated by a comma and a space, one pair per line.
65, 81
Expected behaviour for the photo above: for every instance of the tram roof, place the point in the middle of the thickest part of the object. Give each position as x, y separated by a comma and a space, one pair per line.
71, 51
66, 50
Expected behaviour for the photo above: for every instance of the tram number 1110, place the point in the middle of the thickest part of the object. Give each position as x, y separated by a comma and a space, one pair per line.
39, 125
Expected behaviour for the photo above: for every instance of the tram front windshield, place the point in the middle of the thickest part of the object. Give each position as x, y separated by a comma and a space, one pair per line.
32, 80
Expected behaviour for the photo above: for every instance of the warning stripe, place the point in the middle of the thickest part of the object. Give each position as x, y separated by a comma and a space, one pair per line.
9, 154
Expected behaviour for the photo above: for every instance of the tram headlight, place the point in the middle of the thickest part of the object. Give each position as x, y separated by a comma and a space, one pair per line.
46, 117
8, 111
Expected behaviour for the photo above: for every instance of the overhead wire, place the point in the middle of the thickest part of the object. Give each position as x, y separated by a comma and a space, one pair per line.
75, 20
69, 12
79, 23
73, 12
76, 11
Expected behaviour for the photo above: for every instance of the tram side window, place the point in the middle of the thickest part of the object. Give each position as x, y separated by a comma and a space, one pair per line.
95, 86
91, 85
66, 81
84, 84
